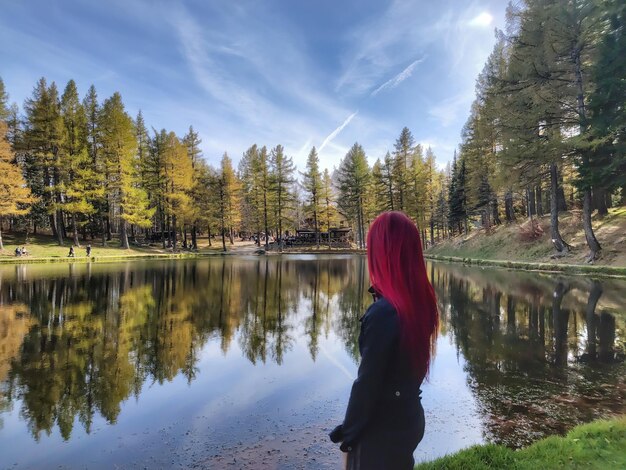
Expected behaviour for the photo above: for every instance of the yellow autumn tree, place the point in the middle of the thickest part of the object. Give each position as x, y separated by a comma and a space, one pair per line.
15, 196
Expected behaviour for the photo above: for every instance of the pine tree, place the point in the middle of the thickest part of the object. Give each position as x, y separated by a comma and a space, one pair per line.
119, 149
177, 174
42, 142
229, 193
403, 151
312, 183
327, 202
194, 153
607, 114
79, 186
15, 196
353, 179
91, 106
281, 187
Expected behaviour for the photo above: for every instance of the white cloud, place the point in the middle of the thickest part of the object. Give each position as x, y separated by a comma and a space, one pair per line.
482, 20
336, 132
399, 78
451, 109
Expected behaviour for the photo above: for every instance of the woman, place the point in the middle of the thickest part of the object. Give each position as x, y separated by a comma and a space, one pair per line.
384, 420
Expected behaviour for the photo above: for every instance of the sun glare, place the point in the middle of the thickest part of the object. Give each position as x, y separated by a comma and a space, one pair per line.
484, 19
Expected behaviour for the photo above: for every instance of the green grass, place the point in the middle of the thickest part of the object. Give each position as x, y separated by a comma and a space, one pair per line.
613, 271
45, 249
597, 445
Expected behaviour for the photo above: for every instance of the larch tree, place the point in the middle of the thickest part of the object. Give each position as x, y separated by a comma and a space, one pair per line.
79, 183
15, 196
192, 141
119, 149
177, 175
4, 102
92, 108
42, 142
229, 193
281, 185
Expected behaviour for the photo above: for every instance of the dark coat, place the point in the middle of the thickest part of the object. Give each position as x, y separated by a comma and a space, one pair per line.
384, 420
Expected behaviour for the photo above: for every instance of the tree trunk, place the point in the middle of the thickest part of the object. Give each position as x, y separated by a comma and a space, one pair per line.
123, 233
508, 206
194, 237
560, 320
592, 242
231, 236
60, 227
208, 231
559, 245
496, 214
1, 243
163, 225
432, 231
590, 317
532, 206
539, 198
599, 201
267, 235
75, 228
317, 232
103, 231
175, 236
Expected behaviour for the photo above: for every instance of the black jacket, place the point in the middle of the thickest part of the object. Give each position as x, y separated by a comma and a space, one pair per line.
385, 393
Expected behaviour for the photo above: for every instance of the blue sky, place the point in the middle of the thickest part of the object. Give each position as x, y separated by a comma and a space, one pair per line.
295, 72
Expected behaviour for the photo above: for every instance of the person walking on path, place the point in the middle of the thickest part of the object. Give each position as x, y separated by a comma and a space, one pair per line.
88, 250
71, 253
384, 420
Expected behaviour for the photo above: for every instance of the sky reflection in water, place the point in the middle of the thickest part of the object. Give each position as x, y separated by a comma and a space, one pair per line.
248, 362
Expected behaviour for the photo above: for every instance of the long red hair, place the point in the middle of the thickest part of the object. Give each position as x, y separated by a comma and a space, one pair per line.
398, 273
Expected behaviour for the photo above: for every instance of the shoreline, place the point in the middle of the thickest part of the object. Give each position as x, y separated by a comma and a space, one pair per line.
555, 268
529, 266
595, 445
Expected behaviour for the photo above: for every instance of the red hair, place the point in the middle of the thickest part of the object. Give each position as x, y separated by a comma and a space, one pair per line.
398, 273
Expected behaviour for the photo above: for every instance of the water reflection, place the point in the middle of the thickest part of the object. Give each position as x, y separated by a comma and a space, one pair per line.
541, 354
89, 342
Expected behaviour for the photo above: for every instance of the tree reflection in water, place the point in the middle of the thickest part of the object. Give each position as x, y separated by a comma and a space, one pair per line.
531, 360
541, 354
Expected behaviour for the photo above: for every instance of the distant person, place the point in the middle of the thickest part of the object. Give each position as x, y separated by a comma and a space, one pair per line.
18, 252
384, 420
24, 252
71, 253
88, 250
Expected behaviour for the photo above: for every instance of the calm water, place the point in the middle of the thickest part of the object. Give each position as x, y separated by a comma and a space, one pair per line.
248, 362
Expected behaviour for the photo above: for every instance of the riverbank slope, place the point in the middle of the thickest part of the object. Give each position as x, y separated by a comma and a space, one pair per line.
512, 242
597, 445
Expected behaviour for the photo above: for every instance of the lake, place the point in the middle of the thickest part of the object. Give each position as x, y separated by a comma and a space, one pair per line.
247, 362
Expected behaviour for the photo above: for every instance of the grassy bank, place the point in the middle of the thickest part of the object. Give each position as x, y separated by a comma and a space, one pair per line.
45, 249
598, 445
511, 242
597, 270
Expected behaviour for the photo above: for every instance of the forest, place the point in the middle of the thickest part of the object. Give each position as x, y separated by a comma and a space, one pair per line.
546, 133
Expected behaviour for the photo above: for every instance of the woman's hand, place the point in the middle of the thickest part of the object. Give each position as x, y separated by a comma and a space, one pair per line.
336, 435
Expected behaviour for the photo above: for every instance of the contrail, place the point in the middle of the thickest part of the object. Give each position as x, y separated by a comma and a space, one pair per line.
336, 132
336, 363
395, 81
